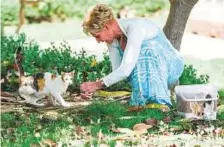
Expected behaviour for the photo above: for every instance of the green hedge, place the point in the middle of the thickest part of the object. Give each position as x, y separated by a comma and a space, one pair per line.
62, 58
53, 59
49, 10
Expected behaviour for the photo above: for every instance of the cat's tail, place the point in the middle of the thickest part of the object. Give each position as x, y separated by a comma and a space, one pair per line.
18, 57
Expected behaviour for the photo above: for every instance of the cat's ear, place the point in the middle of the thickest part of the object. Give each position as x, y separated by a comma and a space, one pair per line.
201, 104
22, 79
72, 73
62, 73
192, 105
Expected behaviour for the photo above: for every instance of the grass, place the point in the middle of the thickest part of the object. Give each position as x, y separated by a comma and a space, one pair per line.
221, 96
28, 128
20, 129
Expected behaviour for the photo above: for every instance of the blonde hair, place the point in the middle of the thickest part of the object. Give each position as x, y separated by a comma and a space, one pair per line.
96, 18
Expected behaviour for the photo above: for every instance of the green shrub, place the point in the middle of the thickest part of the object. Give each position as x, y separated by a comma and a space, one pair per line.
9, 13
190, 76
54, 59
50, 10
62, 58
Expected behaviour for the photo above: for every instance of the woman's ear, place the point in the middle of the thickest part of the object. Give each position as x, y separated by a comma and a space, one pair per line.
106, 26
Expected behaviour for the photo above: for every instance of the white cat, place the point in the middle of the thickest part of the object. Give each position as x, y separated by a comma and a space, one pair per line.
34, 88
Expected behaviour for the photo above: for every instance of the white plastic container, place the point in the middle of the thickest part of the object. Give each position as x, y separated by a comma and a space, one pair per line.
197, 101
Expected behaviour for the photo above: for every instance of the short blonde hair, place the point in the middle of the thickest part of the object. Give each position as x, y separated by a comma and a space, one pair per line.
96, 18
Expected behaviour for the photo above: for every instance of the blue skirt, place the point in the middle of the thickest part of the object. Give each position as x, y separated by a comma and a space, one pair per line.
159, 65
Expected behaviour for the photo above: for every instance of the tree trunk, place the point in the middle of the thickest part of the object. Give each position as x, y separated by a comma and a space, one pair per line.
21, 15
177, 19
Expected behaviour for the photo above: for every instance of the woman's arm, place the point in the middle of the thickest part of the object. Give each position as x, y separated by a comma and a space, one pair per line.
135, 38
114, 55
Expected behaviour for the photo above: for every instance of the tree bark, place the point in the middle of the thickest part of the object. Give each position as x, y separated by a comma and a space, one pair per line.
21, 15
177, 19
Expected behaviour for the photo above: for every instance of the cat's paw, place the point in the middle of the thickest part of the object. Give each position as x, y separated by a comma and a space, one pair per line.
55, 103
66, 104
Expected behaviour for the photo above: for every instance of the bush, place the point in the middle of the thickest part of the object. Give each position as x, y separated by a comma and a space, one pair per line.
53, 59
9, 13
50, 10
190, 76
62, 58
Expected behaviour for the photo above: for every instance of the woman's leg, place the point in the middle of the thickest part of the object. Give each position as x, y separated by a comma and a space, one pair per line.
149, 77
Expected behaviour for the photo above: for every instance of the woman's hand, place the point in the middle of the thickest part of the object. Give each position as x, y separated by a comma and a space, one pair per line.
88, 88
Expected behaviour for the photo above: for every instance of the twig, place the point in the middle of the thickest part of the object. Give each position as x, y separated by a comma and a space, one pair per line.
8, 99
14, 103
122, 98
76, 107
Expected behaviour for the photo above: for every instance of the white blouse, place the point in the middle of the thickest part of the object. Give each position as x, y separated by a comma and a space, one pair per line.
136, 30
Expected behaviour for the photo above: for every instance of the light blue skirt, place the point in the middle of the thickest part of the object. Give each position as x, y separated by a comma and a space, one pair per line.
159, 65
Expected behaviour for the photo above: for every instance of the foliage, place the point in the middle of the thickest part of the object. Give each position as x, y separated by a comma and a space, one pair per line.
144, 8
50, 10
9, 13
190, 76
26, 128
62, 58
221, 96
54, 59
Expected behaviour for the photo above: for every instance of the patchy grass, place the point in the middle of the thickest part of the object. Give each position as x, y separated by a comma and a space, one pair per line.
29, 128
221, 96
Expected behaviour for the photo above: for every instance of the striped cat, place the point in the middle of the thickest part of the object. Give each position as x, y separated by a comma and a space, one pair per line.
34, 88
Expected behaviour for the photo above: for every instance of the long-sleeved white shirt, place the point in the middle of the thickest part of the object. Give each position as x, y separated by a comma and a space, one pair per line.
136, 30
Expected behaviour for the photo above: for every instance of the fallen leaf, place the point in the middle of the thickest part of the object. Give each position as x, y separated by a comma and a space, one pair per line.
172, 145
102, 93
79, 130
104, 145
6, 94
167, 119
128, 117
51, 115
37, 135
35, 145
88, 119
221, 132
135, 108
18, 123
162, 107
49, 142
141, 127
151, 121
119, 144
10, 130
100, 135
166, 133
122, 130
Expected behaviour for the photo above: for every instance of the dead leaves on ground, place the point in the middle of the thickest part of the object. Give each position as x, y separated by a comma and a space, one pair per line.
103, 93
151, 121
163, 108
137, 130
49, 142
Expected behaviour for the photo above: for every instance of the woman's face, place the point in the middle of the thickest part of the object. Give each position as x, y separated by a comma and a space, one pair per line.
105, 35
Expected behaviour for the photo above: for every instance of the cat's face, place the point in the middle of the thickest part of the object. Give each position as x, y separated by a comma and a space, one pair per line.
197, 108
26, 85
68, 77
